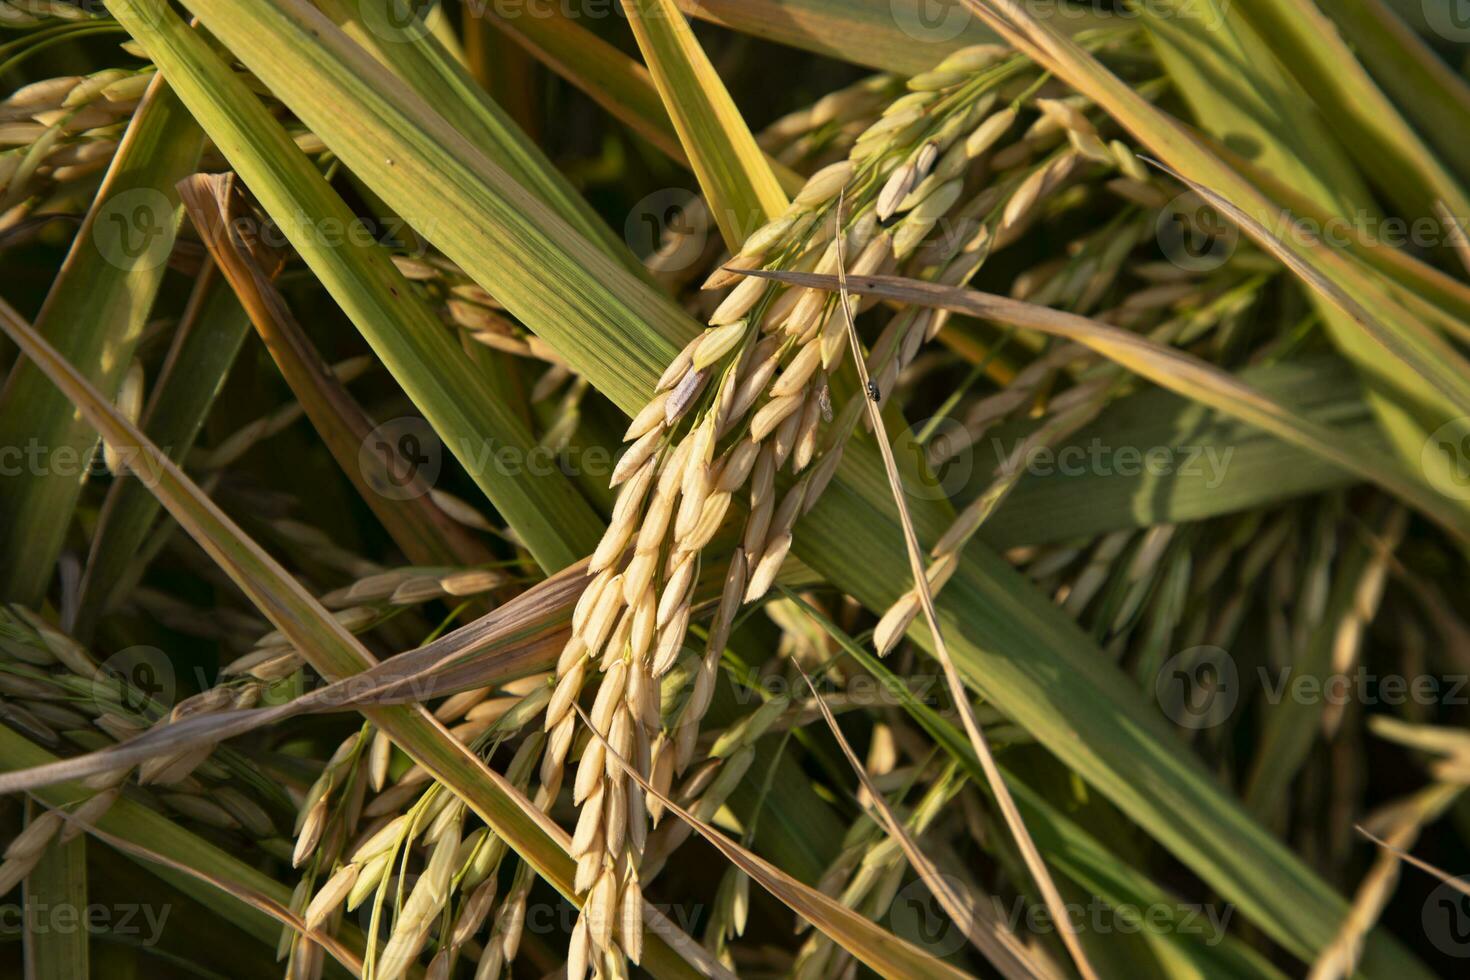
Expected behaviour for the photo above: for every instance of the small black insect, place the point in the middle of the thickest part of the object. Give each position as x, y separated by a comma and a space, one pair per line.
873, 390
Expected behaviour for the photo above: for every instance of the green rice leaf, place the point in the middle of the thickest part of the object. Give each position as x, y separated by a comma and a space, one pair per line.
95, 312
610, 78
205, 344
58, 881
423, 532
1381, 142
406, 44
742, 191
1423, 86
1219, 465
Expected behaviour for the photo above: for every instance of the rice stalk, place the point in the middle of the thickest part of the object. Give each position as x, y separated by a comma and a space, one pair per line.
724, 390
997, 785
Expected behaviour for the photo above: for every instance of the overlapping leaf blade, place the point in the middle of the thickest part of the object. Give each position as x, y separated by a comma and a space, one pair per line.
325, 643
1018, 650
741, 189
95, 311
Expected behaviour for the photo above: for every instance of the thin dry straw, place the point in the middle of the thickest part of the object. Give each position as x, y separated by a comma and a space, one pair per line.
1458, 884
987, 933
1458, 240
801, 898
488, 650
1026, 845
1340, 959
1176, 370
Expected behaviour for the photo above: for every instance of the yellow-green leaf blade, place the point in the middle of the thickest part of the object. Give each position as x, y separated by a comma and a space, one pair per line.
610, 78
742, 191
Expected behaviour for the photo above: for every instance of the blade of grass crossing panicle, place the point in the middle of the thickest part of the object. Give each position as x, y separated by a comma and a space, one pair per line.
473, 422
95, 312
518, 639
1014, 822
1180, 372
1070, 848
327, 645
742, 191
